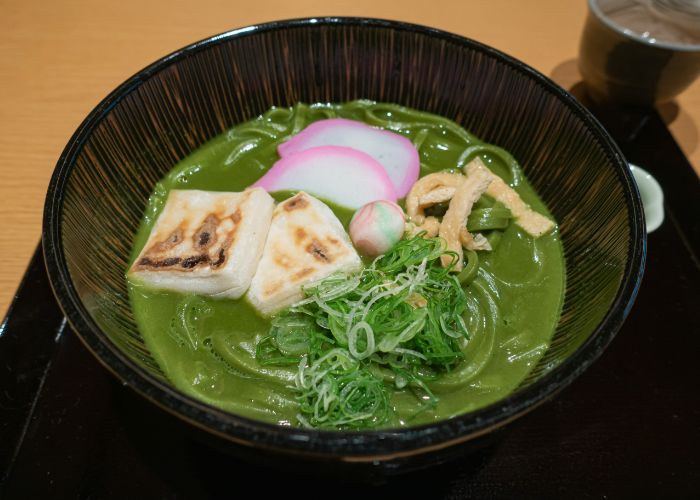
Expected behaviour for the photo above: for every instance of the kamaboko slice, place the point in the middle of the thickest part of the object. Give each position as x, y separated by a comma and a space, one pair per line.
396, 154
342, 175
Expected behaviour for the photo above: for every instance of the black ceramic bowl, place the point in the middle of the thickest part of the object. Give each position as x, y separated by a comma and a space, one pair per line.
103, 178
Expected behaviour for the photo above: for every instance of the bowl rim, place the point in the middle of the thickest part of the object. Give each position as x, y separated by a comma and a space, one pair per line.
367, 445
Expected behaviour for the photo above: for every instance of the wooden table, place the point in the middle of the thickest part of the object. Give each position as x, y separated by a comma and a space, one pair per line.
58, 59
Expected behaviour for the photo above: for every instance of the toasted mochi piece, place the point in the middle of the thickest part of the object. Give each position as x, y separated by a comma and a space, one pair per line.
206, 242
534, 223
306, 243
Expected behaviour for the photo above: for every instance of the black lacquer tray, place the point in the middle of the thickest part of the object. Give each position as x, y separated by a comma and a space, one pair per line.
629, 427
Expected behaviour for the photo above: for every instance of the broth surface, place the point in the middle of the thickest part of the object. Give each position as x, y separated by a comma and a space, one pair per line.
206, 347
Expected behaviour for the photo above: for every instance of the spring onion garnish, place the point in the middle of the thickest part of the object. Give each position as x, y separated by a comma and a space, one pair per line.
399, 322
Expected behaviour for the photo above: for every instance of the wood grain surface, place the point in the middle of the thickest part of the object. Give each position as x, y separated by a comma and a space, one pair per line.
58, 59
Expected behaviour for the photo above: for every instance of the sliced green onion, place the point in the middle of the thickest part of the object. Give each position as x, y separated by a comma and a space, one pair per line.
354, 334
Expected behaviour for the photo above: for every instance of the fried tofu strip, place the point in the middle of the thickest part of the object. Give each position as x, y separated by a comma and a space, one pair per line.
429, 190
455, 220
431, 226
532, 222
437, 195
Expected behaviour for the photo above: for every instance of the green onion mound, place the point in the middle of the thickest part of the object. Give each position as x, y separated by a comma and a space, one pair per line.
399, 322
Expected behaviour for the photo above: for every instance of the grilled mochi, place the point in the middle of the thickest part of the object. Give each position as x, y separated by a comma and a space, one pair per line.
206, 242
306, 243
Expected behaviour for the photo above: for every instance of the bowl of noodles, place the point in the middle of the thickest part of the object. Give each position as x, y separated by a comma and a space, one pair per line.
353, 241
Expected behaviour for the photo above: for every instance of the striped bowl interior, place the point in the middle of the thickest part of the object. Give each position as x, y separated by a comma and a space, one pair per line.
104, 177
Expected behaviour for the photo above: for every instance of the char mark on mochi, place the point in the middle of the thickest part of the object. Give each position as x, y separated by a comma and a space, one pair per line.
296, 203
319, 251
167, 262
205, 236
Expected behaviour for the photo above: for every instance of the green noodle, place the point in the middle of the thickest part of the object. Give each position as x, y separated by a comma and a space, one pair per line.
471, 267
483, 219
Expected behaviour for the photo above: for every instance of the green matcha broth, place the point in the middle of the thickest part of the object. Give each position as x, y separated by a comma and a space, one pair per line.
207, 347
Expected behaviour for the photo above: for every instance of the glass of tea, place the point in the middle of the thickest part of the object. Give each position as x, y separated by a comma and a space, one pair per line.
640, 52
